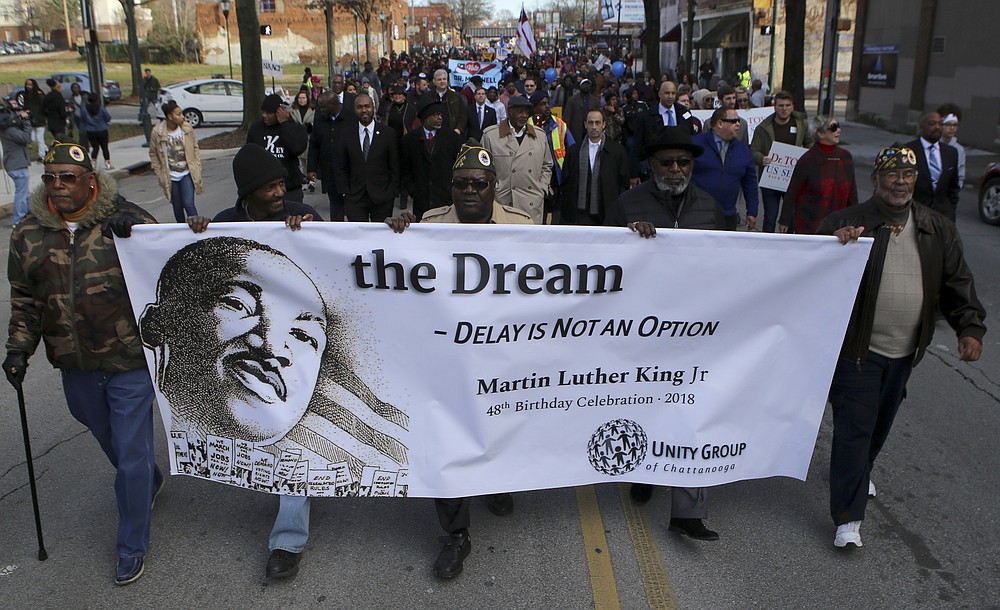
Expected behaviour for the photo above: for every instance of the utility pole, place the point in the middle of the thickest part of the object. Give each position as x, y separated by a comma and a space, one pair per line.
331, 50
134, 59
828, 72
692, 69
94, 66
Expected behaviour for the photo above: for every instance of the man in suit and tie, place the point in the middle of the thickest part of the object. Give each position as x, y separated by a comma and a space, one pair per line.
367, 165
427, 156
481, 115
937, 167
667, 113
346, 99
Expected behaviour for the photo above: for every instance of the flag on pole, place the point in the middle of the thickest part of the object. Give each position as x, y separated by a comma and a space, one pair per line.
502, 51
525, 37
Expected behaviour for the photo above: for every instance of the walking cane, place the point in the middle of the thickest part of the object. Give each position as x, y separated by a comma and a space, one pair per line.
42, 555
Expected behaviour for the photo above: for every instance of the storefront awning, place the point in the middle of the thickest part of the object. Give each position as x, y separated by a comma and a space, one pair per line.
674, 35
730, 32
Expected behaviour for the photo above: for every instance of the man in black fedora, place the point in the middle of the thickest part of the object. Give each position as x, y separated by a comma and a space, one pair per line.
427, 154
669, 201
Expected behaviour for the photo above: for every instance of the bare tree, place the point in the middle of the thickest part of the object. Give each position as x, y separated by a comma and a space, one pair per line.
47, 15
366, 10
470, 13
652, 38
250, 58
504, 18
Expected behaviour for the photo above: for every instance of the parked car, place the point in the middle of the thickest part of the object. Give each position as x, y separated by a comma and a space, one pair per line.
989, 195
112, 91
206, 100
44, 46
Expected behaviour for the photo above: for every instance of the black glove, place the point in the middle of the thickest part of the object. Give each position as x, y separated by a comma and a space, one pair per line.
120, 225
15, 366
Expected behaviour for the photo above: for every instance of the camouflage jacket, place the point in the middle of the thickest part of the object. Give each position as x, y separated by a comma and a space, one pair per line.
68, 288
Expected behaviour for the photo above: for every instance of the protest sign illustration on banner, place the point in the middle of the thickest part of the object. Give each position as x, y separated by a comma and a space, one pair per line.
251, 374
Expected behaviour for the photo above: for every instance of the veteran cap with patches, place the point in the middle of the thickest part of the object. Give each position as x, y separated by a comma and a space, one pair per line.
893, 158
474, 156
68, 153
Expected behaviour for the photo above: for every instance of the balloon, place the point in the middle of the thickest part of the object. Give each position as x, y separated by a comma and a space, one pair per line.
551, 74
617, 69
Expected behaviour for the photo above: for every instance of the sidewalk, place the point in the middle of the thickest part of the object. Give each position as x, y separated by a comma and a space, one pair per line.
128, 156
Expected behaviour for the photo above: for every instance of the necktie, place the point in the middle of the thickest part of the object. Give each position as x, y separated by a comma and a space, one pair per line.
670, 117
724, 146
480, 110
430, 141
934, 163
367, 144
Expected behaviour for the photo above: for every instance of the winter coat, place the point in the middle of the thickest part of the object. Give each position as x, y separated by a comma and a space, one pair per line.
158, 157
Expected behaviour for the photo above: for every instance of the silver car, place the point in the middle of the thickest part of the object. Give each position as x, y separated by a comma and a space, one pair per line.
210, 100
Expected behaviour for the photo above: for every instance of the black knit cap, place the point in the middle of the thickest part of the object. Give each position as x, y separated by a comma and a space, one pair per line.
253, 167
271, 103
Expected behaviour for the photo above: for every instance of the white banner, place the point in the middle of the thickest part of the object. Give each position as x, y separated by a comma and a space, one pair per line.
753, 117
457, 360
778, 172
461, 71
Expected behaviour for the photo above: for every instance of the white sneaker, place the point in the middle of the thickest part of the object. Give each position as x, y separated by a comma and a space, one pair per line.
848, 533
871, 489
108, 165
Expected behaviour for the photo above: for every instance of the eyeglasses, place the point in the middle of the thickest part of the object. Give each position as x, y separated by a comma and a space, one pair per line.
681, 162
479, 185
731, 121
743, 100
833, 127
67, 178
895, 174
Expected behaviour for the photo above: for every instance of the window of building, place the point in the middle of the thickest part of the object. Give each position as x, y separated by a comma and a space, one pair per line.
268, 6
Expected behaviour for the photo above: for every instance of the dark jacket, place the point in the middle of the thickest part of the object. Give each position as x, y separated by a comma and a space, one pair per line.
694, 209
68, 288
378, 177
54, 109
646, 125
489, 119
455, 111
947, 280
426, 176
286, 141
14, 138
944, 198
238, 213
322, 144
612, 179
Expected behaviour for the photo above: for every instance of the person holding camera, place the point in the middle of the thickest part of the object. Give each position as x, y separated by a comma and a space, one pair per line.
15, 135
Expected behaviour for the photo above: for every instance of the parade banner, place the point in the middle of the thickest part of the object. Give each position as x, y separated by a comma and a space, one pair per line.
778, 172
461, 71
753, 116
460, 360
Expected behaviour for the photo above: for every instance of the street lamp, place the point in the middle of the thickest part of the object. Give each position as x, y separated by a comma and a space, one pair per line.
406, 31
225, 13
381, 18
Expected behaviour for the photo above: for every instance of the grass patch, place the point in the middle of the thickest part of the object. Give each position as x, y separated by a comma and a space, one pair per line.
115, 132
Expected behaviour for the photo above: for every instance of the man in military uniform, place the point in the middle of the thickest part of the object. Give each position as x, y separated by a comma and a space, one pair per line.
66, 287
473, 190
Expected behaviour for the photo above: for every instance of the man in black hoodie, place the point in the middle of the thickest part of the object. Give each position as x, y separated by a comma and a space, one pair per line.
283, 138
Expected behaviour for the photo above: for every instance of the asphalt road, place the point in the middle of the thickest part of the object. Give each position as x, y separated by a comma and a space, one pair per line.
931, 537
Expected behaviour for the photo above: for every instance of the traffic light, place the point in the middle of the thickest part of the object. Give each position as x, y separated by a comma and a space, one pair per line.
265, 30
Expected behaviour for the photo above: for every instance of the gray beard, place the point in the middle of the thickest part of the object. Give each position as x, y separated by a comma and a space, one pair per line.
663, 185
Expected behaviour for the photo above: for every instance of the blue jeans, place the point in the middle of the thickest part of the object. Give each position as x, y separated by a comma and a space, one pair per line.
22, 184
182, 197
291, 525
118, 409
772, 202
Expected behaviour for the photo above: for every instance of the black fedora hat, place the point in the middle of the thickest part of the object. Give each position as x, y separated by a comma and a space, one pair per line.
429, 105
671, 137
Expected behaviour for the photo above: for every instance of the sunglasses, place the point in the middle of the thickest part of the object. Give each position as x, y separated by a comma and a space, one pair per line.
833, 127
67, 178
681, 162
731, 121
479, 185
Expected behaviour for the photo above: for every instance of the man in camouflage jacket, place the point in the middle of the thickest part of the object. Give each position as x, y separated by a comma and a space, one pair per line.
67, 289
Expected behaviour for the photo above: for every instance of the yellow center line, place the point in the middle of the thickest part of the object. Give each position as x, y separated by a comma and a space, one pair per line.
651, 569
602, 575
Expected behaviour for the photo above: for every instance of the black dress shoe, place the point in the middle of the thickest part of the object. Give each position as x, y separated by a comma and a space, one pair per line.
283, 564
693, 528
500, 505
641, 492
451, 559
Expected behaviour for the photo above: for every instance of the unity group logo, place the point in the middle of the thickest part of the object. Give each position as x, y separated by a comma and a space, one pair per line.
617, 447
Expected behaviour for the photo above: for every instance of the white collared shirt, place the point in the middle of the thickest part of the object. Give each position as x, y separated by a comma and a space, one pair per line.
592, 149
